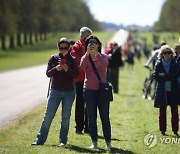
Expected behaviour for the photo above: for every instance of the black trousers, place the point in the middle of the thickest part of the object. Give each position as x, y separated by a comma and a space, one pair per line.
113, 76
81, 118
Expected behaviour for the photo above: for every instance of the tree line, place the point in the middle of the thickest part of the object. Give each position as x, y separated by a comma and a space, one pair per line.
36, 18
169, 19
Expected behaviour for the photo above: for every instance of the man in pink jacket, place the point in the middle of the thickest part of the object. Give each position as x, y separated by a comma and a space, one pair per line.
80, 111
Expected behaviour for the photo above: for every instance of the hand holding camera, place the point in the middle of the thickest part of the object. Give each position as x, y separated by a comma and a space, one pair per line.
62, 65
62, 61
91, 50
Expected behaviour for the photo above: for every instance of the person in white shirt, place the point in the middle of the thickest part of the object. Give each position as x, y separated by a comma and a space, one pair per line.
154, 54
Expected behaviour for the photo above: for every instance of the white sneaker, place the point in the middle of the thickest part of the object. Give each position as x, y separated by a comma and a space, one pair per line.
109, 146
94, 145
63, 145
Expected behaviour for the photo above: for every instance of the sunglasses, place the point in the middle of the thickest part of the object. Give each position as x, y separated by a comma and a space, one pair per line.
93, 42
63, 48
167, 52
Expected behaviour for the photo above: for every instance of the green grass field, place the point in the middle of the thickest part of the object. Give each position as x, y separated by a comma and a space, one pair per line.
171, 38
132, 118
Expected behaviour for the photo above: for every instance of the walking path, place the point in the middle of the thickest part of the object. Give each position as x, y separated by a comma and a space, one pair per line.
24, 89
21, 91
120, 37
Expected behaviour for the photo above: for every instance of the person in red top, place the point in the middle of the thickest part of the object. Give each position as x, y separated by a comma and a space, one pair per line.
108, 48
78, 50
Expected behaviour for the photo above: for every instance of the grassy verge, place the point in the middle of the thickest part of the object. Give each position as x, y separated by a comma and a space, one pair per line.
38, 53
171, 38
31, 55
132, 118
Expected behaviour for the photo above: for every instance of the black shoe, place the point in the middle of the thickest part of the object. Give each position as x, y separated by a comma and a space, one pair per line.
163, 133
177, 135
36, 143
78, 132
86, 131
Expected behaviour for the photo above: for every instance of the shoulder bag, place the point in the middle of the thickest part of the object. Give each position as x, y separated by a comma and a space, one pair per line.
105, 91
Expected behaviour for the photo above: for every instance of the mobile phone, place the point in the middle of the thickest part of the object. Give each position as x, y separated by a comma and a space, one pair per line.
63, 61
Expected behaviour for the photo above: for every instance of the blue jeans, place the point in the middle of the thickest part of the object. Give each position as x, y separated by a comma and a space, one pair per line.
53, 102
92, 103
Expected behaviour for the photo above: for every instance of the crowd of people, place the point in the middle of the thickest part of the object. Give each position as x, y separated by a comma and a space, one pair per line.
72, 77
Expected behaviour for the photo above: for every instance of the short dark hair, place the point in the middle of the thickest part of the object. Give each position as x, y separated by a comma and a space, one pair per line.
93, 37
162, 43
63, 40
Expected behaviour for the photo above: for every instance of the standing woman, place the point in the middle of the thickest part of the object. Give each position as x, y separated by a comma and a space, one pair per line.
62, 70
166, 72
91, 89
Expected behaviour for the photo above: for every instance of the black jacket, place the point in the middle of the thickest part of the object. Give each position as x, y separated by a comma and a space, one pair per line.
116, 58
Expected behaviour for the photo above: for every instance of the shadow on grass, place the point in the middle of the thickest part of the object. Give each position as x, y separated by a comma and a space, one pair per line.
98, 150
119, 150
127, 95
85, 150
113, 139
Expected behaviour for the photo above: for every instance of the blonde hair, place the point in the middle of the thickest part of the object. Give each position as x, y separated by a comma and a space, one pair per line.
163, 48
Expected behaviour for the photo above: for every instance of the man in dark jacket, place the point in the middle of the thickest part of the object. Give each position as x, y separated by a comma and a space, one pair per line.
115, 61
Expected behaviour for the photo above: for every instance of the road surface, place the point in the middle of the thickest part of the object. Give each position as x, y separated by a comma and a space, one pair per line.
120, 37
21, 91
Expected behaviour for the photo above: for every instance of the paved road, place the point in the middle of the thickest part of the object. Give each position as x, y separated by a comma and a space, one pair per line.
120, 37
24, 89
21, 91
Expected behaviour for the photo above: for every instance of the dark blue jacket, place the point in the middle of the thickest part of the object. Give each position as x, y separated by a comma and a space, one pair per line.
160, 93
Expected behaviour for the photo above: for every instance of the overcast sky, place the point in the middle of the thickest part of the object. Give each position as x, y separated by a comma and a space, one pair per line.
140, 12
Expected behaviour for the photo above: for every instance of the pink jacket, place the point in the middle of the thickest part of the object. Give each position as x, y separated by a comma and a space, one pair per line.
91, 81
